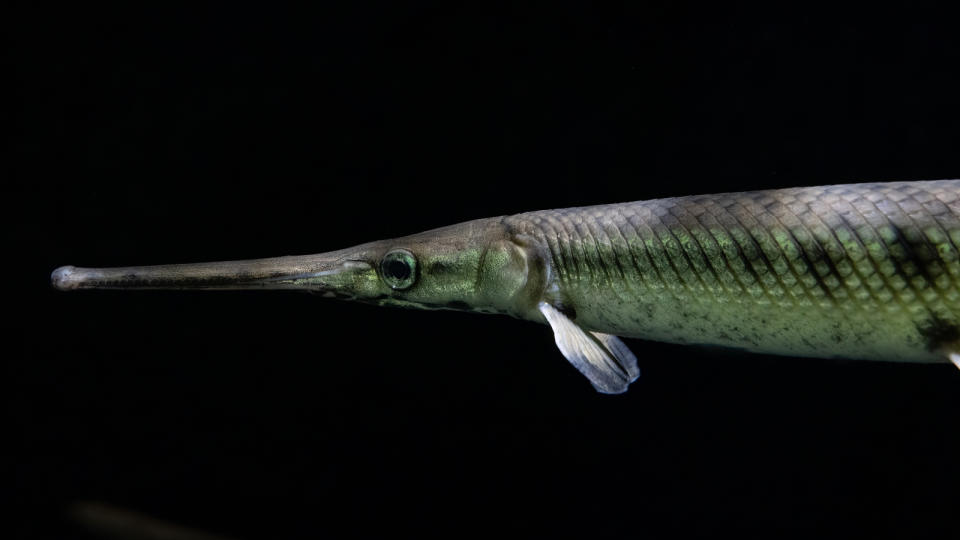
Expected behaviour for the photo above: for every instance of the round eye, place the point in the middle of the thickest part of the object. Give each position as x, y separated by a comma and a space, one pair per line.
399, 269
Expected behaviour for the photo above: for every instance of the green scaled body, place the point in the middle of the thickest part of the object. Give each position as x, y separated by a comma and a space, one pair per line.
865, 271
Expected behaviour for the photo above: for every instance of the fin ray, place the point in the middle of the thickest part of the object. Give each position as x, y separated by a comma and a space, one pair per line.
602, 358
621, 353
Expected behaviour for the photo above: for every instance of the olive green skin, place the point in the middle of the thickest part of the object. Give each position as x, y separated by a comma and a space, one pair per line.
866, 271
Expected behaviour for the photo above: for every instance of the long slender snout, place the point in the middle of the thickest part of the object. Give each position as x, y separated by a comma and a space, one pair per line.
329, 272
663, 269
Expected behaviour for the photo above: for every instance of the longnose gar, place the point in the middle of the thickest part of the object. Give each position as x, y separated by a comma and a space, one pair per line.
866, 271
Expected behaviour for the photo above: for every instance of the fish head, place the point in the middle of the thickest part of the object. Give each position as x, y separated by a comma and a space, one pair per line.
473, 266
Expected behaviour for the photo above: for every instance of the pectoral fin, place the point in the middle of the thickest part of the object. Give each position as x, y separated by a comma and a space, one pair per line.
602, 358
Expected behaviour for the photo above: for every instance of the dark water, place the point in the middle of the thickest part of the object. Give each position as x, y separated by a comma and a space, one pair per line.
142, 137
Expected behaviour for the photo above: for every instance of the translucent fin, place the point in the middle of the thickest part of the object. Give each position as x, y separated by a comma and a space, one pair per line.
602, 358
955, 358
621, 353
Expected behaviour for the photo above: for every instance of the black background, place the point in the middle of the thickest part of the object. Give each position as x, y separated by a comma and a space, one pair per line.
142, 136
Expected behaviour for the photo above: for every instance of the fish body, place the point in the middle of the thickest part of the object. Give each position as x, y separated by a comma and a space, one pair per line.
861, 271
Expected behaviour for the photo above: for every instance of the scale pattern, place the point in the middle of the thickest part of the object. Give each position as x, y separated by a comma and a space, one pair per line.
884, 253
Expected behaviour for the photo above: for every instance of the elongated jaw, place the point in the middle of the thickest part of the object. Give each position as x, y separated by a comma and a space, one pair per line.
337, 273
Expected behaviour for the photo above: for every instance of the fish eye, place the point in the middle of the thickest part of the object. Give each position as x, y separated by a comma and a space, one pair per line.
398, 268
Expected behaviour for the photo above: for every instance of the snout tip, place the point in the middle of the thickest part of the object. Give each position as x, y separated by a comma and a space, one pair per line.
65, 278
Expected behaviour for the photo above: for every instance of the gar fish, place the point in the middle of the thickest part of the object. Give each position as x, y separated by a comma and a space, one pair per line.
863, 271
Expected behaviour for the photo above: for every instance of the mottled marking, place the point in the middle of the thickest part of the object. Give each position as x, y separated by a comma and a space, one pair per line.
938, 332
439, 267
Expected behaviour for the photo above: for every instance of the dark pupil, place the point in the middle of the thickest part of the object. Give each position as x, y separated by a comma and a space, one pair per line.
397, 269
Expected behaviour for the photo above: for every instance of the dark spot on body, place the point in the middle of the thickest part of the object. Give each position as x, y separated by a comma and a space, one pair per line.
919, 253
938, 332
439, 267
820, 256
